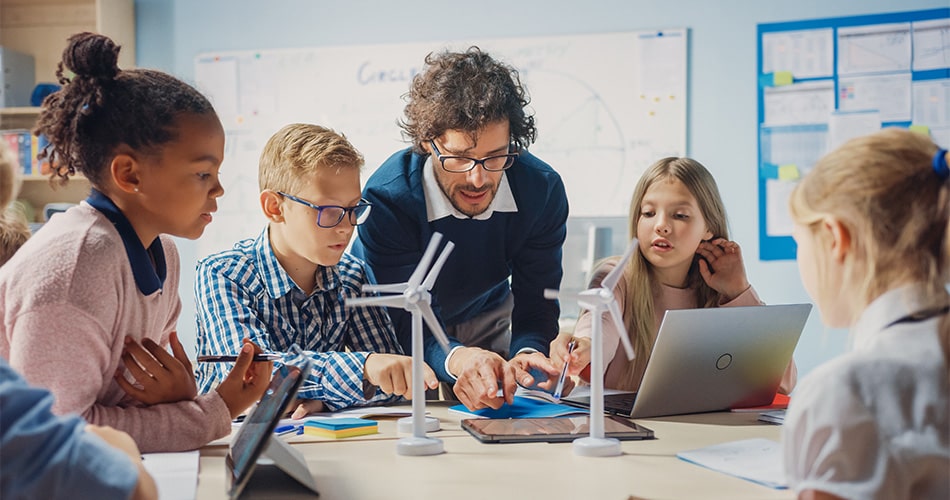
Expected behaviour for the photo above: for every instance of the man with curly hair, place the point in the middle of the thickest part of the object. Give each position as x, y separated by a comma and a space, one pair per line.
469, 176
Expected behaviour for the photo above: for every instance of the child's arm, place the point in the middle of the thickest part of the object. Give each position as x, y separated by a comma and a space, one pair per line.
228, 312
66, 350
370, 331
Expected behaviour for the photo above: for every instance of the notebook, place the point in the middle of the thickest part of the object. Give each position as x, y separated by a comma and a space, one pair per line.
712, 359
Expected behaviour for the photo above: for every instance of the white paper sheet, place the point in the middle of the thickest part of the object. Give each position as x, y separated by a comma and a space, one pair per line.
843, 126
758, 460
175, 474
874, 49
806, 53
889, 94
778, 220
800, 103
931, 44
932, 102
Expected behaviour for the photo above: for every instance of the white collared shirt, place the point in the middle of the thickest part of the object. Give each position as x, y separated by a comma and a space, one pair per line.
439, 206
875, 422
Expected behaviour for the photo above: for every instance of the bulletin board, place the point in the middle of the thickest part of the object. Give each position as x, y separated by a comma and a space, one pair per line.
824, 81
606, 107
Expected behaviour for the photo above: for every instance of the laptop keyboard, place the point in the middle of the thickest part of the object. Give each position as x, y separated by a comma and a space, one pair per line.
620, 403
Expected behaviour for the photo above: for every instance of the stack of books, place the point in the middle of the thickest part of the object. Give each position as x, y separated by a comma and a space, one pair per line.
337, 428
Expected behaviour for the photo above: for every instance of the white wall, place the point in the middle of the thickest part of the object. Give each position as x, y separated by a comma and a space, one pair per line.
722, 82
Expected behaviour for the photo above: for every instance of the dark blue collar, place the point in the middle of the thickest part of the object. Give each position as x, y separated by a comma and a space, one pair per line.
149, 277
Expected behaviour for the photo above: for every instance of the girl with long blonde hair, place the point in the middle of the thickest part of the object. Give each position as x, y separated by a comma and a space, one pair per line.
685, 260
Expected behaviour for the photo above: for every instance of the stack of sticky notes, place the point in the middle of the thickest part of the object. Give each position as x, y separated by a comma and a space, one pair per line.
339, 427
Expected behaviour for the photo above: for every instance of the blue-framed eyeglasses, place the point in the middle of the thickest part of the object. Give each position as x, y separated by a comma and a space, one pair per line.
332, 215
462, 164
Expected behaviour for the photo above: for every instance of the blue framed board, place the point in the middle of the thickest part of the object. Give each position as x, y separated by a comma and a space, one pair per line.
823, 81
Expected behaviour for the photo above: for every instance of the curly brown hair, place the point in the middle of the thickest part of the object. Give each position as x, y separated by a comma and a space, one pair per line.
102, 107
466, 91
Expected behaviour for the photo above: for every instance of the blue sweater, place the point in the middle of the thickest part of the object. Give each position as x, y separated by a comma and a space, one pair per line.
524, 246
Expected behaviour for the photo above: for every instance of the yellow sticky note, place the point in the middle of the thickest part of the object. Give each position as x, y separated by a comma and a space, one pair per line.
782, 78
788, 172
920, 129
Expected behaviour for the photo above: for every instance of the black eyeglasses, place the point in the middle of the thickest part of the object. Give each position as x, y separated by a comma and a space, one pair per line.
461, 164
332, 215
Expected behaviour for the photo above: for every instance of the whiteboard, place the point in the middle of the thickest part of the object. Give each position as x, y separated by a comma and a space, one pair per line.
606, 107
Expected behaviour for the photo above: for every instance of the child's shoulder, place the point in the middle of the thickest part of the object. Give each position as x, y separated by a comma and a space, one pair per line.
352, 269
80, 233
235, 261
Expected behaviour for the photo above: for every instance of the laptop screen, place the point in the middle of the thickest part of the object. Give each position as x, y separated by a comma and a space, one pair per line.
258, 427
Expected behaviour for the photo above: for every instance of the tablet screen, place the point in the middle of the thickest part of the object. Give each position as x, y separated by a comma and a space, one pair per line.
559, 429
258, 427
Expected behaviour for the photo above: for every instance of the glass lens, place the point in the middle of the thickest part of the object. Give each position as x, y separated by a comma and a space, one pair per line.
457, 163
330, 216
498, 162
359, 214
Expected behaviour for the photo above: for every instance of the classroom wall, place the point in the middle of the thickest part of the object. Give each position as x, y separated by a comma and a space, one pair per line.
721, 117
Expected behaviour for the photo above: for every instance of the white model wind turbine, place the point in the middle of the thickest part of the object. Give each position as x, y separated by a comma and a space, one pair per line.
414, 296
599, 301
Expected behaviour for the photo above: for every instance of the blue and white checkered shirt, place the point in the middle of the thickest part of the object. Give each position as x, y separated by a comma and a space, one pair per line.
244, 292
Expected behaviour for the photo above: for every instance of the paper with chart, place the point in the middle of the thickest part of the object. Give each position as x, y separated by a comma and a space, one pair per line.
758, 460
606, 105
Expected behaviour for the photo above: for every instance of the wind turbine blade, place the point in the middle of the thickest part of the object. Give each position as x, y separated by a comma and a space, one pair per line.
423, 265
437, 267
614, 276
617, 316
389, 300
434, 325
393, 288
550, 293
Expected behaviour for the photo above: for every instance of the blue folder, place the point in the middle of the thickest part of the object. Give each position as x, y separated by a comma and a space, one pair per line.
521, 408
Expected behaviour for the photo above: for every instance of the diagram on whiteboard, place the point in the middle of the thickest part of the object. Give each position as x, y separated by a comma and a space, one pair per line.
606, 107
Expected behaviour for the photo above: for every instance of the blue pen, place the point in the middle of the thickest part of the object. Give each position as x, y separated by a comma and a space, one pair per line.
285, 429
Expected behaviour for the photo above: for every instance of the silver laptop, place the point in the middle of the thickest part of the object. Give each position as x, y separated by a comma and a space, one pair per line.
712, 359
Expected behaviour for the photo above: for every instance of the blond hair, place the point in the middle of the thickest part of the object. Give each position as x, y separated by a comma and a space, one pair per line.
638, 314
9, 182
13, 231
884, 191
298, 151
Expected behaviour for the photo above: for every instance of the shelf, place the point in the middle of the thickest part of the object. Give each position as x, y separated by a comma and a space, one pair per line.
38, 191
24, 117
40, 28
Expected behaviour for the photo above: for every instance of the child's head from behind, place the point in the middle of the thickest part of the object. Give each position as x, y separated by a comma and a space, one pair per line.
13, 232
870, 216
675, 206
142, 137
305, 166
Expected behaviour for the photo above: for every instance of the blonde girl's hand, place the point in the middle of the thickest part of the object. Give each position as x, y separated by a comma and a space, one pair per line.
579, 358
161, 377
247, 381
722, 268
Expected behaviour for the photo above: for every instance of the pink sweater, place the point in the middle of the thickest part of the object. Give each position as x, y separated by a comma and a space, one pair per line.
664, 299
68, 298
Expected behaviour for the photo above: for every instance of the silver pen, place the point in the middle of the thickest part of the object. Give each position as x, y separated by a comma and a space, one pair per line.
560, 380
